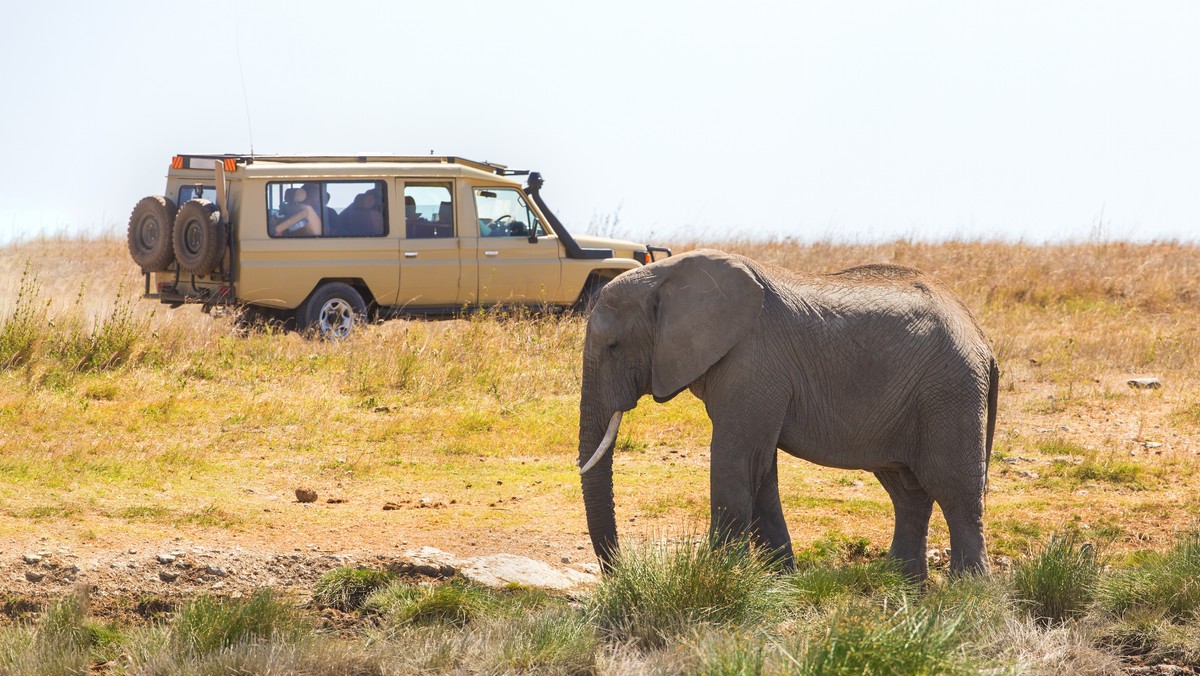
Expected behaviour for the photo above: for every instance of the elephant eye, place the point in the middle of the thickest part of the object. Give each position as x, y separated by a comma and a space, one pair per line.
612, 343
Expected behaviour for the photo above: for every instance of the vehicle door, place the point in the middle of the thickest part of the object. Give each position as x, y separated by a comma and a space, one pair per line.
430, 269
317, 229
519, 260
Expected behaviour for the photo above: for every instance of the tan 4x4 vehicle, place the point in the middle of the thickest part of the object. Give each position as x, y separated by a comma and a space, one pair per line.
334, 240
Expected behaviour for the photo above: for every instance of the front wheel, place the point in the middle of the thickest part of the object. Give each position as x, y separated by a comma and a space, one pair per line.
332, 312
590, 295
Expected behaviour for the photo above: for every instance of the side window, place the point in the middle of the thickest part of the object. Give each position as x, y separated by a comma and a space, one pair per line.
503, 212
428, 210
191, 192
327, 209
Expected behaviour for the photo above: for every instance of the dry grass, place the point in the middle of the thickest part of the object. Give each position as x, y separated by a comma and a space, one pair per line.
196, 430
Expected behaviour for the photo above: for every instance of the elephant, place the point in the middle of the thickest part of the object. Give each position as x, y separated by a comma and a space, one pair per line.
877, 367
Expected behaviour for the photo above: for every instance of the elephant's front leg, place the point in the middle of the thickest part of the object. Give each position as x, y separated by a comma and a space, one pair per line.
744, 485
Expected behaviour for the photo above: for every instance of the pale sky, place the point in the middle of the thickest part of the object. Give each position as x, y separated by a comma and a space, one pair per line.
846, 120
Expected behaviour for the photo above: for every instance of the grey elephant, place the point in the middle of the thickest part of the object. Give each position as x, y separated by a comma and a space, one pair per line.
878, 367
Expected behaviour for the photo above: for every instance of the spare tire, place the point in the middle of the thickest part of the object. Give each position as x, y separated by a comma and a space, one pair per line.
150, 228
199, 237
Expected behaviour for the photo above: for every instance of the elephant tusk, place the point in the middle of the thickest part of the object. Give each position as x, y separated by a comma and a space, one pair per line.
611, 433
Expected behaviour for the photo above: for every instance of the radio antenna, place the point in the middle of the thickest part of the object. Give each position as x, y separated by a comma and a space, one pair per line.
245, 99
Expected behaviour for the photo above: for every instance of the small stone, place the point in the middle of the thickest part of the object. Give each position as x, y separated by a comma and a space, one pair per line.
168, 575
1027, 474
306, 495
566, 559
336, 501
165, 558
1145, 383
856, 483
218, 585
390, 506
34, 576
215, 570
1151, 444
32, 559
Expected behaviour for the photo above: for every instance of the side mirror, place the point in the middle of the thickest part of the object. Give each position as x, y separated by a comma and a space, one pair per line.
533, 238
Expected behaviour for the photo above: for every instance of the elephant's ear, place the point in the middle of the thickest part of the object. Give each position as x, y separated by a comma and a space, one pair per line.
706, 304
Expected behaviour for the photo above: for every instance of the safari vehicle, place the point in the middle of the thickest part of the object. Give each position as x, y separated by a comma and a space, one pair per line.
332, 241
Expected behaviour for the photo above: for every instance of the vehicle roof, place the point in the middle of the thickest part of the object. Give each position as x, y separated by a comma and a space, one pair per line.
317, 166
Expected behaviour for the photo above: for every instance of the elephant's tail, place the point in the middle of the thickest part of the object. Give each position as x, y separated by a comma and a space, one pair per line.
993, 395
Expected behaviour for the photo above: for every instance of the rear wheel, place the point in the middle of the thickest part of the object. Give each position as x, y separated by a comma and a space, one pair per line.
332, 311
199, 237
149, 235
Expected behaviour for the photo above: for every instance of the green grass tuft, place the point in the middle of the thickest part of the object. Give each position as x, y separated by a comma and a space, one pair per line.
911, 640
660, 591
453, 603
1156, 581
1060, 581
348, 588
207, 624
818, 586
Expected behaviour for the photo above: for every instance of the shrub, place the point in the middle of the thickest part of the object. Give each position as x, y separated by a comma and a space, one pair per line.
24, 329
1060, 581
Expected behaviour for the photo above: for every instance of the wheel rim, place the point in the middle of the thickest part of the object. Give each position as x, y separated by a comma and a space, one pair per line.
192, 236
337, 319
148, 232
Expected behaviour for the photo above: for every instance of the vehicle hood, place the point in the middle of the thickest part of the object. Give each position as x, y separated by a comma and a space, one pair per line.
593, 242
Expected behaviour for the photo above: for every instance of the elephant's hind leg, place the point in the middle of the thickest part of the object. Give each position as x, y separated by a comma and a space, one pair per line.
913, 506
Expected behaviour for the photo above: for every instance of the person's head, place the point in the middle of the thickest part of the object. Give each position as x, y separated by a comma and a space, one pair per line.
312, 192
299, 196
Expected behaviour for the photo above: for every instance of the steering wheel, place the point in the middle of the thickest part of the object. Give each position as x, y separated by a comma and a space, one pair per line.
497, 225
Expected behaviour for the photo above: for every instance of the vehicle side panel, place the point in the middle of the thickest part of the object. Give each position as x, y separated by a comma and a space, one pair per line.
280, 272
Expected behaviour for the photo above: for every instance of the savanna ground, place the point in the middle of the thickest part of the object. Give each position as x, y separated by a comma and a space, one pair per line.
129, 430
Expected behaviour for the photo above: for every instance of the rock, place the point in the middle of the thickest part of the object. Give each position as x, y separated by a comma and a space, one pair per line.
32, 559
215, 570
165, 558
1145, 383
504, 569
390, 506
306, 495
1151, 444
565, 559
1027, 474
336, 501
34, 576
168, 575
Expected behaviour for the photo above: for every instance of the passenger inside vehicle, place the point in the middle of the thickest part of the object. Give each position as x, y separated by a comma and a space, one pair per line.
318, 199
362, 218
300, 219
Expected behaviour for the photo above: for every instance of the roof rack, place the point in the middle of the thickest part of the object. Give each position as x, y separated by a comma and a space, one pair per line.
361, 159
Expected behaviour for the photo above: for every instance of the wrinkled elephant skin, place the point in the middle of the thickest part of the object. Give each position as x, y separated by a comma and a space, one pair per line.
878, 367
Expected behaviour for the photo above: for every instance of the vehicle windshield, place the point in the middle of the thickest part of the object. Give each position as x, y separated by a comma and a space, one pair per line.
503, 212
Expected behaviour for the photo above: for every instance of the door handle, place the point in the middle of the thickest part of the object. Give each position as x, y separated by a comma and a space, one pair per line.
410, 254
491, 253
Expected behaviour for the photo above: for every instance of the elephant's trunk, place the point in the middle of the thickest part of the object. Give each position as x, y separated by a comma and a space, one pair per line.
596, 477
